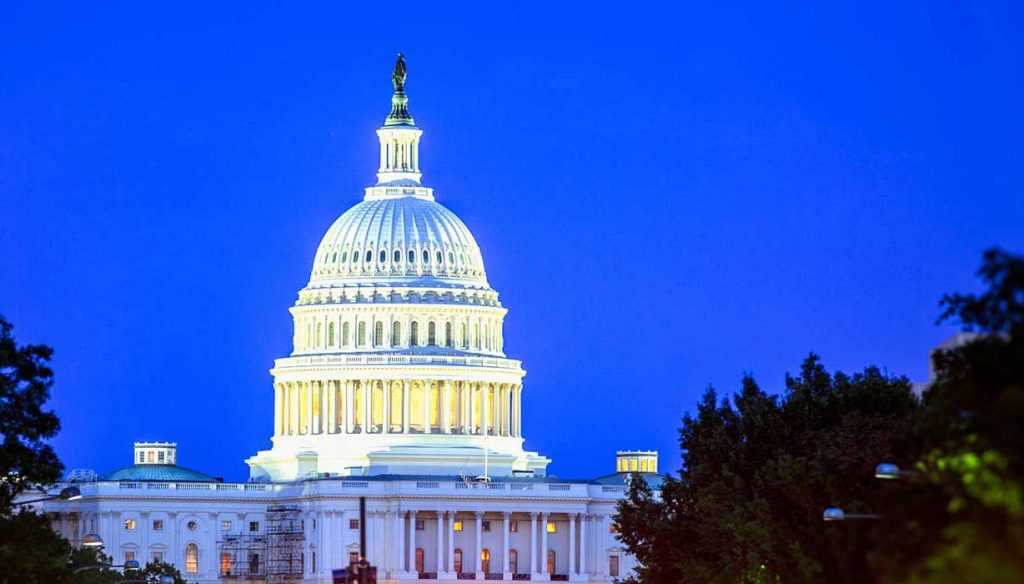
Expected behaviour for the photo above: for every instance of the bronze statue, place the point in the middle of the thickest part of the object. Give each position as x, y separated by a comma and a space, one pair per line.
398, 76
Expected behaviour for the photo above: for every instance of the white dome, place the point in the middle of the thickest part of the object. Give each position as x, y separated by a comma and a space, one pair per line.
407, 241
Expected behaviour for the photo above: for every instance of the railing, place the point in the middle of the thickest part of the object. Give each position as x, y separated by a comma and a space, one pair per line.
428, 575
306, 360
612, 489
494, 576
558, 487
354, 484
466, 576
559, 577
525, 576
185, 486
427, 485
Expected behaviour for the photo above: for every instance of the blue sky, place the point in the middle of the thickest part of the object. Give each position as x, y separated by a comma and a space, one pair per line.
666, 196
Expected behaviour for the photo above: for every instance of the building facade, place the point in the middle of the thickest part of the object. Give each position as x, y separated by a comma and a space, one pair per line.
397, 391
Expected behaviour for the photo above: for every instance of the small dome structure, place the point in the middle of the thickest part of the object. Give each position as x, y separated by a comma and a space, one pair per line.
157, 461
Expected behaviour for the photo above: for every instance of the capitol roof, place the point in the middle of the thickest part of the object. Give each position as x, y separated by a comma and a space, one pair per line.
157, 472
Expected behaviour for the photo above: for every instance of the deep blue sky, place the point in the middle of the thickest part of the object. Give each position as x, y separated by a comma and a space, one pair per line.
666, 197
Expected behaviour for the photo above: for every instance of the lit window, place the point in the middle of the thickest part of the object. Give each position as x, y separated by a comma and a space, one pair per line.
613, 528
150, 456
225, 563
457, 525
225, 526
485, 525
419, 525
129, 525
551, 561
158, 525
458, 560
192, 526
551, 527
254, 526
412, 257
353, 524
419, 559
513, 561
613, 566
513, 526
485, 560
191, 559
129, 556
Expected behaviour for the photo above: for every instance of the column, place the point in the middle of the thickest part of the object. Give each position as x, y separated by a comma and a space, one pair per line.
400, 536
411, 556
533, 542
309, 407
350, 411
367, 393
440, 543
295, 408
544, 544
583, 543
601, 559
332, 407
572, 544
451, 541
485, 408
504, 546
386, 390
445, 409
478, 568
426, 407
405, 406
278, 410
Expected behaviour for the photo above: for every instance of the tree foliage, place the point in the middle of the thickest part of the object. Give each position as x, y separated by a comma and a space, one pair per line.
25, 380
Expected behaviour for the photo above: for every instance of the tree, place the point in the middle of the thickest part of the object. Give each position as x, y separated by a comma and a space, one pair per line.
25, 380
155, 569
31, 552
758, 472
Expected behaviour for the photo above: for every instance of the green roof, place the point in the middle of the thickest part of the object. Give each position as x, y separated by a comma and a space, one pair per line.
157, 472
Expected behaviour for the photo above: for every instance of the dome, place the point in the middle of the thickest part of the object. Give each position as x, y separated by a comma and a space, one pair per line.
157, 472
403, 240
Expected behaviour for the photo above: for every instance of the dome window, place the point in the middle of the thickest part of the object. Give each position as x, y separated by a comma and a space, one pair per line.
451, 258
426, 257
431, 334
440, 258
355, 256
334, 257
412, 257
369, 256
383, 256
396, 333
414, 334
344, 256
397, 257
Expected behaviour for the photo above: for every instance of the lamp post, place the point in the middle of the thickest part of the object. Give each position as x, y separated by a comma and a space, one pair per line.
836, 514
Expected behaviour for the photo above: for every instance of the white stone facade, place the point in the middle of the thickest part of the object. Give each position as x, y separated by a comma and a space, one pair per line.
398, 391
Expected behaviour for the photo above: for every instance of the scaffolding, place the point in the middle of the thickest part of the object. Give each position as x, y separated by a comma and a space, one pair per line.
285, 538
271, 557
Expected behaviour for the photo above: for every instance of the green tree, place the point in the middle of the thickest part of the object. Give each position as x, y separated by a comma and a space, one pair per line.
25, 379
758, 472
31, 552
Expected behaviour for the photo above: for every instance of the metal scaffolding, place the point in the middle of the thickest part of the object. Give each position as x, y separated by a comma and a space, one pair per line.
243, 558
285, 538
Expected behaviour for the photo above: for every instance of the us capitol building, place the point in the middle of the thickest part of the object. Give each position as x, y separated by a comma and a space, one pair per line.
397, 390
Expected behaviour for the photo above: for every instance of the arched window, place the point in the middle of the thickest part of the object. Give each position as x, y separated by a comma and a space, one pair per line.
319, 334
361, 334
334, 257
330, 334
226, 564
485, 561
451, 258
383, 256
412, 257
397, 257
419, 559
458, 560
448, 335
426, 257
369, 256
431, 334
414, 334
440, 258
396, 333
344, 334
344, 256
191, 559
513, 561
465, 336
487, 337
551, 561
378, 334
355, 256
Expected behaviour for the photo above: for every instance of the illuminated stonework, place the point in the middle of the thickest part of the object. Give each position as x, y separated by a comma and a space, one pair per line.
397, 363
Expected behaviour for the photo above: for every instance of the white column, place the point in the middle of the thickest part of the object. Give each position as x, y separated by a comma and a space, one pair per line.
504, 546
405, 406
278, 414
411, 557
426, 407
479, 548
295, 408
583, 543
399, 551
451, 541
350, 409
533, 543
440, 542
367, 393
544, 544
446, 413
602, 557
485, 408
309, 407
386, 390
572, 544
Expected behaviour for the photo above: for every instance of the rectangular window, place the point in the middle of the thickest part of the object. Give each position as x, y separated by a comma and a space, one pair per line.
226, 564
457, 525
420, 526
552, 528
314, 524
160, 457
312, 557
129, 525
353, 557
254, 526
254, 563
613, 528
158, 525
485, 525
225, 526
129, 556
513, 526
353, 524
613, 566
158, 556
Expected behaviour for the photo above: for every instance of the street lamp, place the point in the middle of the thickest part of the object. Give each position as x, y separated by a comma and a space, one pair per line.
836, 514
92, 540
66, 494
887, 470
